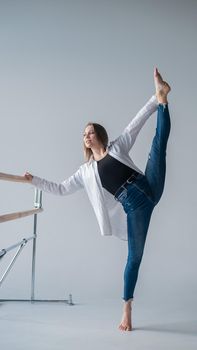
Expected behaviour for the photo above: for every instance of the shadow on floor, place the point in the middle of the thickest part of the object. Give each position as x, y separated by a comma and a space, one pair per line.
183, 327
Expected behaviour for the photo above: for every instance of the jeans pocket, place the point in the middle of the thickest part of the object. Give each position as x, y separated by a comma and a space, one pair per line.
122, 196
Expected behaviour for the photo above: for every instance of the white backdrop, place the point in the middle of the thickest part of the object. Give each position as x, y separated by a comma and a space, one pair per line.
62, 64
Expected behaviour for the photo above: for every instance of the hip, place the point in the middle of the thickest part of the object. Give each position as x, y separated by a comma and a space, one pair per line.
135, 193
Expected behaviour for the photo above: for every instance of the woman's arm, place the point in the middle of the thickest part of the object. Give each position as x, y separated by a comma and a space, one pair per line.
68, 186
127, 139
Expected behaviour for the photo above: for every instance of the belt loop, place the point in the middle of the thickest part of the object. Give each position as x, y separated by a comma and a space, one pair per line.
123, 186
128, 181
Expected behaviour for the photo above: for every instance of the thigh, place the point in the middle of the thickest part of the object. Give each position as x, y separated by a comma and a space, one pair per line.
156, 172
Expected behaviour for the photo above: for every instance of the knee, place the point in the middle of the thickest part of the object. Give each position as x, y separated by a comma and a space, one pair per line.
133, 262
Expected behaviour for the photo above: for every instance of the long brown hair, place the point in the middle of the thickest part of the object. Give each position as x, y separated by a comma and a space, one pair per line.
102, 137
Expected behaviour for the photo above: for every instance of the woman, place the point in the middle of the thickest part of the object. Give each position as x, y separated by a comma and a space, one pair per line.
115, 186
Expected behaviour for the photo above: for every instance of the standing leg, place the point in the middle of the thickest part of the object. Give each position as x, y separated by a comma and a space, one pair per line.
138, 223
137, 226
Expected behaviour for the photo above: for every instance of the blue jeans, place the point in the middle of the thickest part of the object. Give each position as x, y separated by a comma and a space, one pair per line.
140, 197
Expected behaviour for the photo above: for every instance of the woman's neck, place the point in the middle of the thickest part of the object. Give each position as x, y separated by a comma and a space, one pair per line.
99, 154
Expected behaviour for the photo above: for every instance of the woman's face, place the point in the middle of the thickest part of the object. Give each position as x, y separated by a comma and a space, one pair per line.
89, 137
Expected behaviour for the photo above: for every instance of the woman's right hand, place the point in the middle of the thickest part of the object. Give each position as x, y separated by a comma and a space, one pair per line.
28, 177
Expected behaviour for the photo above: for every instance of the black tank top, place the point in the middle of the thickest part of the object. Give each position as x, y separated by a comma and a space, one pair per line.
113, 173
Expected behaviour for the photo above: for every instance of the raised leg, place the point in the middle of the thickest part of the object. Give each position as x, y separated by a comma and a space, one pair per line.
156, 166
138, 218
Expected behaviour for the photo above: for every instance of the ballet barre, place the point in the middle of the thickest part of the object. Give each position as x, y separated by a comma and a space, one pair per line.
4, 251
20, 245
13, 178
19, 215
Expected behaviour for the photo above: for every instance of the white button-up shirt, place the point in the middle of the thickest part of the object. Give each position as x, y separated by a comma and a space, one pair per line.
109, 212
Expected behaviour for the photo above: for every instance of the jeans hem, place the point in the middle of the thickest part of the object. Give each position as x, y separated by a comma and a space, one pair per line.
128, 299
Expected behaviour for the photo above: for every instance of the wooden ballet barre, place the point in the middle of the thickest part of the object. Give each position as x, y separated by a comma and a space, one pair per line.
20, 214
17, 215
15, 178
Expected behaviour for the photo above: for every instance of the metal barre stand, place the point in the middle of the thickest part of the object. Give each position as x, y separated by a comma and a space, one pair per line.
21, 245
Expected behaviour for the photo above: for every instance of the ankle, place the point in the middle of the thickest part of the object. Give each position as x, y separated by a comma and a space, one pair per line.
127, 305
161, 98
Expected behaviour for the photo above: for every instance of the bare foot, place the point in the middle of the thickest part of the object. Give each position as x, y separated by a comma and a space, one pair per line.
125, 324
162, 88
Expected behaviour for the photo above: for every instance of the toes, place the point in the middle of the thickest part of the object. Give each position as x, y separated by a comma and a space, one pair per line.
124, 328
121, 327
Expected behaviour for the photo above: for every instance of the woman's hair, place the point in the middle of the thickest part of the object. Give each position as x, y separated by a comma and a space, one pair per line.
102, 137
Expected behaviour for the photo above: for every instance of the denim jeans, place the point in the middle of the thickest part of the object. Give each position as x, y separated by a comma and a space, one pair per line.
140, 197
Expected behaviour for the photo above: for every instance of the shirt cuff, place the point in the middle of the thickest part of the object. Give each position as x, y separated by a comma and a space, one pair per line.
36, 180
154, 99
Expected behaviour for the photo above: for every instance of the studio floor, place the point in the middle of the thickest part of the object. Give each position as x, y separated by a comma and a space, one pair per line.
94, 325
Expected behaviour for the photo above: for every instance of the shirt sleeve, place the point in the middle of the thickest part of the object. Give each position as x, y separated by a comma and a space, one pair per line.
68, 186
127, 139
